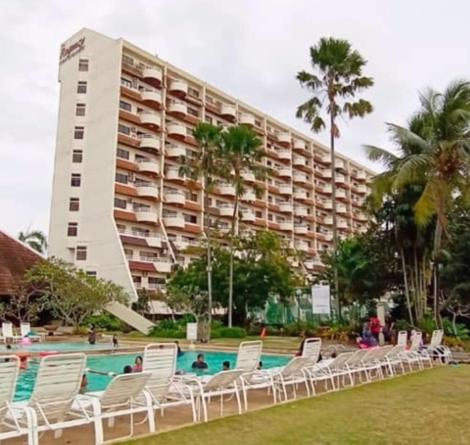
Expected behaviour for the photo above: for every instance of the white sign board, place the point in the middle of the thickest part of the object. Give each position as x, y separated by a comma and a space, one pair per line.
321, 300
191, 331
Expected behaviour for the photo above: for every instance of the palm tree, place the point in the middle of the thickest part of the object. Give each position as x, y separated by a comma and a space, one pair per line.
241, 150
34, 239
436, 153
205, 165
336, 80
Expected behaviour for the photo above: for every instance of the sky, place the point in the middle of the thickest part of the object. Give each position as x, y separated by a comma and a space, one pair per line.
251, 49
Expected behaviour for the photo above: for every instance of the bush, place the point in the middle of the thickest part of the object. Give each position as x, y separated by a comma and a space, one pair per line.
224, 332
157, 331
106, 321
402, 325
298, 327
461, 331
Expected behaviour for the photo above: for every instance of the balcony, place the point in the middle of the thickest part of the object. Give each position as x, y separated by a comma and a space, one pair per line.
342, 224
154, 75
301, 229
173, 174
328, 204
324, 173
340, 179
228, 111
300, 194
285, 189
149, 141
247, 119
152, 120
248, 196
301, 245
178, 108
360, 188
300, 211
285, 207
174, 220
227, 190
328, 220
147, 190
300, 177
325, 189
179, 88
324, 158
226, 210
285, 172
148, 166
341, 208
299, 144
286, 225
248, 176
176, 130
175, 197
162, 265
175, 151
340, 164
146, 215
284, 139
340, 194
284, 155
248, 215
300, 161
151, 96
361, 175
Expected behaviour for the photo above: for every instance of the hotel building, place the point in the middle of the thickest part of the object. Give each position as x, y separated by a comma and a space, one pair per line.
120, 208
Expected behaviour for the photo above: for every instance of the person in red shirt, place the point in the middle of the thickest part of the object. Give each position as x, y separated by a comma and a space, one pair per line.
375, 326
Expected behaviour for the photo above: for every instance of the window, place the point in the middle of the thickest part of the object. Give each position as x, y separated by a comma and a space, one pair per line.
123, 154
72, 229
128, 60
76, 180
193, 112
190, 196
123, 129
122, 178
81, 253
81, 88
192, 219
208, 119
79, 132
80, 110
120, 203
91, 273
126, 82
77, 156
259, 214
83, 65
121, 228
125, 106
74, 204
193, 92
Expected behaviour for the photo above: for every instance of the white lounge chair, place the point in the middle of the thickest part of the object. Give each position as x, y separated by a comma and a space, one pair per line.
414, 354
312, 349
15, 419
124, 396
292, 374
394, 360
436, 349
249, 355
402, 339
160, 360
25, 329
7, 332
333, 370
57, 385
219, 385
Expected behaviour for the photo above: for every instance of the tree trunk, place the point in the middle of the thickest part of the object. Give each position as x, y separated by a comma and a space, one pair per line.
207, 230
230, 281
436, 258
333, 209
407, 289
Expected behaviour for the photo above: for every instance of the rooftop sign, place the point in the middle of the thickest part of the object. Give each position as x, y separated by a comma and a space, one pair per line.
67, 52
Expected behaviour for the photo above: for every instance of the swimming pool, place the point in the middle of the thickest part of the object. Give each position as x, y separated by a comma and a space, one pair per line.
57, 346
116, 363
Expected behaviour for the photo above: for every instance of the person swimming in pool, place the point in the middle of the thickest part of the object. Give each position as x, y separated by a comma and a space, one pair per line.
225, 365
199, 363
138, 364
127, 369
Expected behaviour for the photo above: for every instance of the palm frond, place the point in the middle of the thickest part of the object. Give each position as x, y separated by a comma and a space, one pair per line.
412, 169
377, 154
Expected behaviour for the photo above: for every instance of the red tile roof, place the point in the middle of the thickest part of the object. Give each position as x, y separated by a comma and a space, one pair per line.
15, 259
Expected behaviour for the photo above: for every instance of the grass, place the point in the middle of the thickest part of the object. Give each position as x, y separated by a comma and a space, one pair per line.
431, 407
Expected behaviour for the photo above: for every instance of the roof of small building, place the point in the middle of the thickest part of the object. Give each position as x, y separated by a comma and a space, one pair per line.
15, 259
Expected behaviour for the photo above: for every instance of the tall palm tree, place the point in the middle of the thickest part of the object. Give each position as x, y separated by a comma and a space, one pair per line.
205, 165
35, 239
437, 154
335, 81
241, 150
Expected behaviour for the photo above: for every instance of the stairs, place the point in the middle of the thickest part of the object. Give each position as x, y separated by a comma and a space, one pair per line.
130, 317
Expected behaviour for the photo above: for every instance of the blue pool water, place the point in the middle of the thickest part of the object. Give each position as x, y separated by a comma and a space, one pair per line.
53, 346
116, 363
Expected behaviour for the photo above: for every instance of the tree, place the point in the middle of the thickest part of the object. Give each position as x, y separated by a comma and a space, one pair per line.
22, 305
336, 80
70, 293
241, 151
34, 239
141, 306
434, 152
206, 165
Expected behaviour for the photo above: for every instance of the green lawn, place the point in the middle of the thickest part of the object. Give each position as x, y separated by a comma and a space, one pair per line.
432, 407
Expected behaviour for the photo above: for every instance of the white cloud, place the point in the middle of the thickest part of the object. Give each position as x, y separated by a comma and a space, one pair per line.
251, 49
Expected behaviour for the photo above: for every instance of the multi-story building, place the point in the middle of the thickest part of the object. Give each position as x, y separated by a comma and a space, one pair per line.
120, 207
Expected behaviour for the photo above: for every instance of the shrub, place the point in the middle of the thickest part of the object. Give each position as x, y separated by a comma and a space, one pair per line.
157, 331
298, 327
106, 321
461, 331
427, 325
402, 325
225, 332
